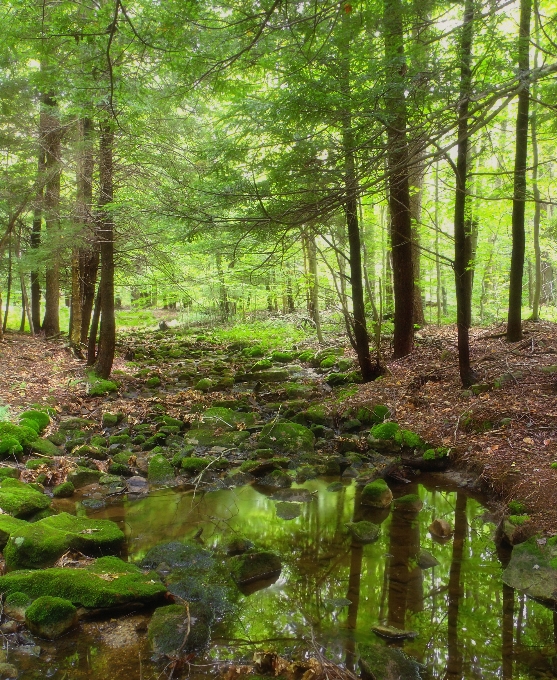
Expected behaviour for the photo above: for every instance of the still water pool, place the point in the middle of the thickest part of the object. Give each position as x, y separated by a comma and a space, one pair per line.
331, 591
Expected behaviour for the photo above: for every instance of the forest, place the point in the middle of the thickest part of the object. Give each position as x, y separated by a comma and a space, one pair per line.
278, 295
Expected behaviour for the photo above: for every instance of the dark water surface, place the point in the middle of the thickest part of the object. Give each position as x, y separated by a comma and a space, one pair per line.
331, 591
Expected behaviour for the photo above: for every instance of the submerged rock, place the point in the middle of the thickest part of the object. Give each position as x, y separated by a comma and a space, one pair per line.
178, 555
288, 510
40, 544
176, 629
50, 617
387, 663
278, 479
83, 476
254, 566
293, 496
533, 569
108, 582
363, 532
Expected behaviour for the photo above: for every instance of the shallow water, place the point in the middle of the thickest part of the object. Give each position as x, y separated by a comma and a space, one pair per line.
331, 591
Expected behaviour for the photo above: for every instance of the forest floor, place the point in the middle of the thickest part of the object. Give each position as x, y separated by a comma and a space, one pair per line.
506, 434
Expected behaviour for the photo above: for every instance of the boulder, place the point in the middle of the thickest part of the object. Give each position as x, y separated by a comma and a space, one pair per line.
287, 437
377, 494
176, 629
160, 470
50, 617
108, 582
254, 566
82, 476
533, 569
21, 500
40, 544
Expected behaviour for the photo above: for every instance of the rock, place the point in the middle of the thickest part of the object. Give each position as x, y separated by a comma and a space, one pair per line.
293, 496
377, 494
515, 529
64, 490
426, 560
160, 470
386, 663
254, 566
45, 447
335, 486
15, 606
9, 627
363, 532
532, 570
50, 617
278, 479
7, 671
111, 419
238, 545
137, 484
40, 544
178, 555
108, 582
410, 503
226, 419
20, 500
9, 472
8, 525
170, 625
83, 477
207, 437
392, 633
75, 423
287, 438
288, 510
440, 528
272, 376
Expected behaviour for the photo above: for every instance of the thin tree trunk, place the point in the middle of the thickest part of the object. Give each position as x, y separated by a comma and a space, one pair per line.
107, 340
514, 320
416, 181
463, 249
536, 191
399, 193
50, 123
313, 284
36, 238
438, 292
92, 344
9, 286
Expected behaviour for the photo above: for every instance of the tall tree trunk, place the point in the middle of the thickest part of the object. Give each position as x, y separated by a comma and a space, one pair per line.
36, 236
463, 244
50, 123
454, 656
514, 320
416, 181
399, 193
313, 287
438, 293
88, 267
9, 286
536, 191
107, 340
369, 371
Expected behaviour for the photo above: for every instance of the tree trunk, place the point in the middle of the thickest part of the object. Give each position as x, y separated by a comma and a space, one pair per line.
399, 193
514, 320
36, 237
463, 244
9, 286
313, 288
454, 654
107, 340
537, 288
416, 181
52, 136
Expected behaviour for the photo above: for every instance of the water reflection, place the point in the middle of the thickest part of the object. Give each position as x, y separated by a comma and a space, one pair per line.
332, 590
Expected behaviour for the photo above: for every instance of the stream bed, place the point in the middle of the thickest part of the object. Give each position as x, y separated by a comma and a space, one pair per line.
331, 590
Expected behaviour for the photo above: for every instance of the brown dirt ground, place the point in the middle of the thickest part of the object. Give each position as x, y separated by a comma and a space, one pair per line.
422, 390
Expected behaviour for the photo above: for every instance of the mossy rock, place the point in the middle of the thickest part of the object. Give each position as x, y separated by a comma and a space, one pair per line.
256, 351
99, 387
98, 440
64, 490
118, 469
15, 606
262, 365
8, 525
517, 507
316, 414
287, 437
83, 476
265, 377
204, 437
111, 479
408, 439
173, 422
40, 417
157, 439
9, 472
36, 463
50, 617
57, 438
377, 494
169, 626
178, 555
328, 362
153, 382
22, 434
160, 470
282, 357
193, 466
277, 479
92, 452
108, 582
20, 500
385, 430
254, 566
39, 544
111, 419
45, 447
27, 422
363, 532
204, 385
119, 439
306, 356
533, 570
226, 419
75, 424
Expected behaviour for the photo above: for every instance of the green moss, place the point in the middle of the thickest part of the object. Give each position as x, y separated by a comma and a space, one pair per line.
256, 351
160, 470
110, 419
120, 469
86, 587
9, 446
384, 430
57, 438
249, 465
83, 476
287, 437
11, 472
20, 500
408, 499
328, 362
45, 447
40, 544
155, 381
554, 465
35, 463
8, 525
519, 520
205, 437
93, 452
262, 365
23, 435
204, 385
517, 507
173, 422
119, 439
409, 439
227, 419
306, 356
27, 422
434, 454
50, 617
64, 490
375, 489
98, 387
194, 466
40, 417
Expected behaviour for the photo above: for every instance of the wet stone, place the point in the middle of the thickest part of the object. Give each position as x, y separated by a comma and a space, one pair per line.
288, 511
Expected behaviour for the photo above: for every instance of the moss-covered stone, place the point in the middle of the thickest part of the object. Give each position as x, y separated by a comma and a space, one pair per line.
363, 532
385, 430
57, 438
160, 470
378, 661
409, 503
9, 472
119, 439
98, 387
36, 463
153, 382
277, 479
45, 447
110, 419
254, 566
20, 500
83, 476
287, 437
377, 494
64, 490
193, 465
204, 385
226, 419
76, 424
40, 544
207, 437
119, 469
533, 570
270, 376
108, 582
27, 422
15, 606
157, 439
50, 617
40, 417
93, 452
98, 440
8, 525
282, 357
